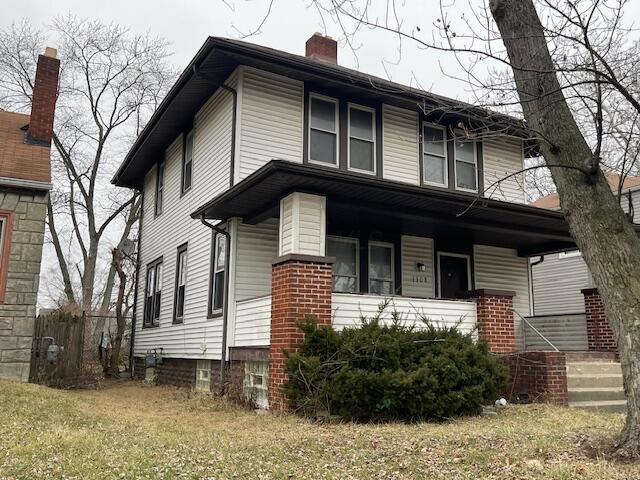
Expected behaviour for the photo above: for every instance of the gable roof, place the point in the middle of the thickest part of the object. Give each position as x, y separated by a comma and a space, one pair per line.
218, 57
552, 201
27, 162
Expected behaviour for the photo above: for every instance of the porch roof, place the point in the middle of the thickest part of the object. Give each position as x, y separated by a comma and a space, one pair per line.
410, 208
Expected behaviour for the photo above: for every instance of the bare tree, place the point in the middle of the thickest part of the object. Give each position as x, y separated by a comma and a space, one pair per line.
569, 68
111, 80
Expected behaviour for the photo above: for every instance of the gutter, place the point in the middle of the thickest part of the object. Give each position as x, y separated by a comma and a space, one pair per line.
135, 293
225, 302
22, 183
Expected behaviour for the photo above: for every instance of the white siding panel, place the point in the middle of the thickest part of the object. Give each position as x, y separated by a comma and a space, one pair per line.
565, 332
415, 283
286, 225
302, 224
253, 322
197, 337
271, 120
257, 246
557, 283
347, 310
502, 157
400, 154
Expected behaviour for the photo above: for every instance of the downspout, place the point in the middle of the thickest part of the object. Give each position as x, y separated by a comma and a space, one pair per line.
532, 292
225, 301
135, 293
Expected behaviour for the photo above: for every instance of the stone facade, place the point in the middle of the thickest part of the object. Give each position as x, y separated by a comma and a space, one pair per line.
27, 212
495, 319
599, 334
540, 375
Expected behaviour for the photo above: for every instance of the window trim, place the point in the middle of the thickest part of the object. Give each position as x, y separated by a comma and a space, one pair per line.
181, 250
355, 241
336, 102
455, 165
6, 234
151, 265
376, 243
435, 126
569, 254
186, 135
211, 311
158, 207
456, 255
374, 122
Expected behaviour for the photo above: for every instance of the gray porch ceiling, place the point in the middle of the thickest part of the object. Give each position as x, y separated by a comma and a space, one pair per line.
407, 208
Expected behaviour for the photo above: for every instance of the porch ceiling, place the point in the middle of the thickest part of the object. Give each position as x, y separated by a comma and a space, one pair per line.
406, 208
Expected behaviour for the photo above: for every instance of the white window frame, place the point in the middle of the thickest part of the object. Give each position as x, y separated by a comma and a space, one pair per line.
457, 255
364, 108
435, 126
356, 242
393, 262
455, 164
337, 132
182, 251
569, 254
160, 188
215, 270
191, 133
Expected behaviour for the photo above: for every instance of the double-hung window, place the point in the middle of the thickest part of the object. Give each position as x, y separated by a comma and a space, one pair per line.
187, 162
434, 155
153, 294
323, 130
466, 165
159, 188
346, 266
217, 278
362, 139
181, 284
381, 268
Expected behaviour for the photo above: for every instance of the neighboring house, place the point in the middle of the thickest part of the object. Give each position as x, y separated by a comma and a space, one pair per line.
278, 185
25, 181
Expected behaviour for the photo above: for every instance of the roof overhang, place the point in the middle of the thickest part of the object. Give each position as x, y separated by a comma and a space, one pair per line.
217, 59
406, 208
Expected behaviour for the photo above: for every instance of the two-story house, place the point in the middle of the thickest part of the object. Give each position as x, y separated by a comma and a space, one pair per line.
277, 185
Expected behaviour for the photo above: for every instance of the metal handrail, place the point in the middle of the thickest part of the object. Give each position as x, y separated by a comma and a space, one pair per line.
537, 332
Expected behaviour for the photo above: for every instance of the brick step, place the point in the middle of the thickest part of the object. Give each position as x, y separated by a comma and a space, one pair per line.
616, 406
587, 368
596, 394
599, 380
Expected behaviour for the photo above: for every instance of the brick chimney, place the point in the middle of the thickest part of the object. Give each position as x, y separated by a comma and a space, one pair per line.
43, 103
319, 47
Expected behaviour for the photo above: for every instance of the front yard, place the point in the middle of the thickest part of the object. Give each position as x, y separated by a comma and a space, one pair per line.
127, 430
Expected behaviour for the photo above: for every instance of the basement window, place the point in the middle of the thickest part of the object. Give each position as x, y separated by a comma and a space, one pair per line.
203, 376
256, 383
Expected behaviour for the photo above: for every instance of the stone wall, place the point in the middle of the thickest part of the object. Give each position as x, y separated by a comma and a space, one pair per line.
18, 309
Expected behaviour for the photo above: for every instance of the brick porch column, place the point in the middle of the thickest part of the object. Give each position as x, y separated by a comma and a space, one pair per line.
599, 333
495, 319
300, 286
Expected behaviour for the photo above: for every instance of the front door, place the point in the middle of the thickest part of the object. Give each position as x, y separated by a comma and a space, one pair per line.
454, 276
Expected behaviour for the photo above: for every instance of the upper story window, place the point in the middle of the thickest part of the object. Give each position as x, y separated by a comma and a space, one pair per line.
187, 162
381, 268
434, 155
159, 188
323, 130
362, 139
346, 267
181, 284
153, 294
466, 165
216, 293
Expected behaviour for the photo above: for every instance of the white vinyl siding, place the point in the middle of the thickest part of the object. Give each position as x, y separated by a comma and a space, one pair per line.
302, 224
417, 283
271, 120
197, 337
503, 157
286, 225
253, 322
557, 283
400, 145
565, 332
257, 246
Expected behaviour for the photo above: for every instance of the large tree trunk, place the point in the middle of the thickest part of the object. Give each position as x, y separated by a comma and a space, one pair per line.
606, 238
120, 319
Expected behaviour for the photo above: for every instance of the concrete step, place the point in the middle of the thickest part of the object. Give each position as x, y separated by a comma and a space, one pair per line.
599, 380
596, 394
591, 357
617, 406
589, 368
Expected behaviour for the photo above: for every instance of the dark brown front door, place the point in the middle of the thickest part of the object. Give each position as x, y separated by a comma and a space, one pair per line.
454, 276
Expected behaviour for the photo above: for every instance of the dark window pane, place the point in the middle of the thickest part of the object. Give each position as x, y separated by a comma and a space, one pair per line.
361, 125
180, 302
218, 292
344, 284
156, 307
380, 287
361, 155
433, 140
323, 115
434, 169
322, 147
466, 175
345, 255
380, 262
187, 177
465, 151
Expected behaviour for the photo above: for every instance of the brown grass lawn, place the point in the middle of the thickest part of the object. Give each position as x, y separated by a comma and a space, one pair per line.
127, 430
